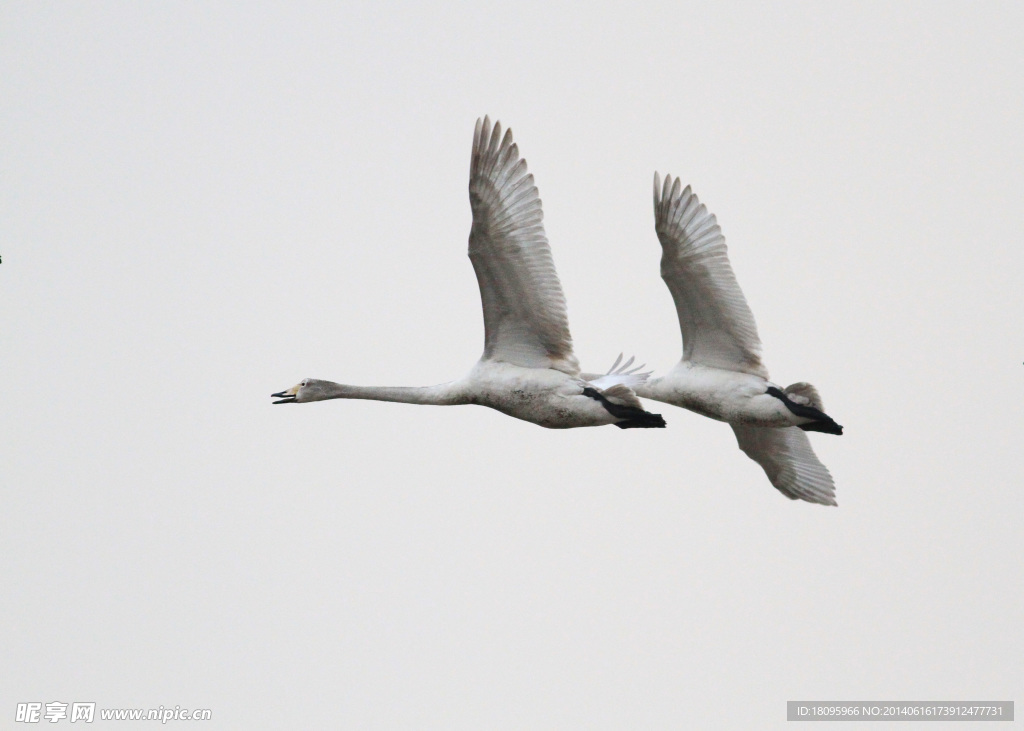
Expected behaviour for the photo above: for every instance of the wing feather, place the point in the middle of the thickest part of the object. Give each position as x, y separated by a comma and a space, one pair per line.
619, 374
525, 318
717, 325
786, 456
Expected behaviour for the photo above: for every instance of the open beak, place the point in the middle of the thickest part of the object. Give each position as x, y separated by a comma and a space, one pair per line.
287, 397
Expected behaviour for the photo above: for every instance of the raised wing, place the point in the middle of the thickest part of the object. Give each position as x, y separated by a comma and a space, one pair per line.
788, 460
717, 325
525, 320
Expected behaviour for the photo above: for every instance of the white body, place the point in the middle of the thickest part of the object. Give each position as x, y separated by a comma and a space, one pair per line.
721, 375
545, 397
738, 398
528, 369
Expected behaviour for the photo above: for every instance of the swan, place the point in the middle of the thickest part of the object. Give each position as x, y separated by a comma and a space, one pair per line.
527, 369
721, 374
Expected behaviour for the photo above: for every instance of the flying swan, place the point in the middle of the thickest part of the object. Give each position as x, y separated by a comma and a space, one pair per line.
527, 369
721, 375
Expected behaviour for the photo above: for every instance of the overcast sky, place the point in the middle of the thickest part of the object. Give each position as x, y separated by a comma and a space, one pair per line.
203, 203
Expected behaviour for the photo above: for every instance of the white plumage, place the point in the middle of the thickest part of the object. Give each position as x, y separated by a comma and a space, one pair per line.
527, 369
525, 317
721, 374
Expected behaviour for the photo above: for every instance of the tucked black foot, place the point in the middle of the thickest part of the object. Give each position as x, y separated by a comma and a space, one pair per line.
822, 421
633, 418
828, 427
650, 421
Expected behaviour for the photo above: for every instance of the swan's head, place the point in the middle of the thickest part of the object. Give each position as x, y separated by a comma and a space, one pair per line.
309, 389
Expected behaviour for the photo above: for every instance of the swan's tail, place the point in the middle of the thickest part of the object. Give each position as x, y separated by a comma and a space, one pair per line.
617, 370
618, 374
805, 397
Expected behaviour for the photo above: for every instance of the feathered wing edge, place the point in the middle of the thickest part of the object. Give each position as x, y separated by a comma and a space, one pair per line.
525, 318
715, 320
787, 458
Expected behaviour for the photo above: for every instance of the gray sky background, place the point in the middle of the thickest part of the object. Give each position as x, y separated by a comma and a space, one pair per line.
203, 203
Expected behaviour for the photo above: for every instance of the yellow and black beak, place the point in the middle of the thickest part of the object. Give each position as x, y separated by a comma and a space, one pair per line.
287, 397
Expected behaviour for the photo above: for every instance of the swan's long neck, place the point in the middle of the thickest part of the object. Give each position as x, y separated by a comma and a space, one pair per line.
445, 394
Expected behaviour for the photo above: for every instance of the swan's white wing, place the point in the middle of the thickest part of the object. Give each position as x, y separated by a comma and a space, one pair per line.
525, 320
788, 460
717, 325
